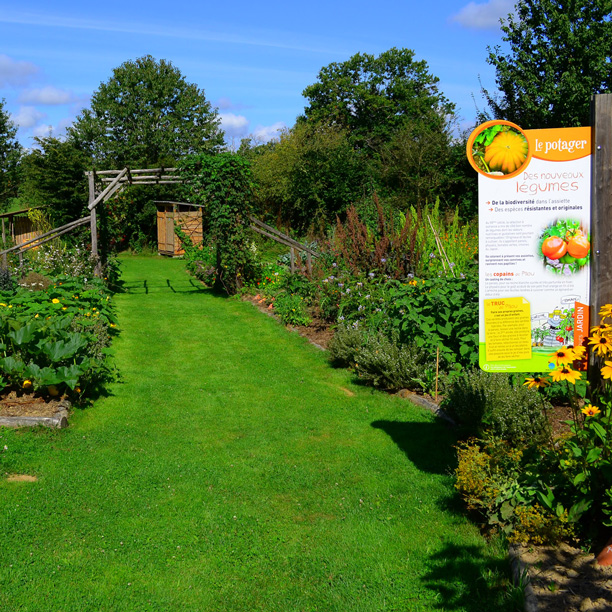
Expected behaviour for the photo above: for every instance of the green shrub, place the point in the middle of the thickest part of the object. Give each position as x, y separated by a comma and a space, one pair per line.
345, 344
6, 280
482, 401
494, 478
381, 361
291, 309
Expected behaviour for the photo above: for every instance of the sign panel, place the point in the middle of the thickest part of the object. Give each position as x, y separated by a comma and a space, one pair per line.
534, 190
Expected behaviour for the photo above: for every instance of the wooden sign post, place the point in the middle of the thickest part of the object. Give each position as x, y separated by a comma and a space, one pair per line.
601, 204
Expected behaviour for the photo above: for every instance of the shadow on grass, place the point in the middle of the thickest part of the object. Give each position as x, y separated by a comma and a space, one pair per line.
429, 446
145, 287
467, 578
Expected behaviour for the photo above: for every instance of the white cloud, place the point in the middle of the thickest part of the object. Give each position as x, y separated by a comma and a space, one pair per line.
47, 95
223, 33
265, 133
42, 131
483, 16
28, 117
234, 126
16, 73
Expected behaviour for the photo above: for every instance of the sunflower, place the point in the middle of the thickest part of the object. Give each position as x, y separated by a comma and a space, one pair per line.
536, 381
563, 356
566, 373
606, 371
590, 410
601, 344
579, 352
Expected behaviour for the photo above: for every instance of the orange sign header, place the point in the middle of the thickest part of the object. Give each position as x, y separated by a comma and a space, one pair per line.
564, 144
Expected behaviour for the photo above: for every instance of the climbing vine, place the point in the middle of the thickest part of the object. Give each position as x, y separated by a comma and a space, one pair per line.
223, 183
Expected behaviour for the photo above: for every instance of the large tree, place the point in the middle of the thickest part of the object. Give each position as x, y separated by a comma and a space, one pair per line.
53, 175
146, 114
560, 52
10, 152
374, 97
309, 176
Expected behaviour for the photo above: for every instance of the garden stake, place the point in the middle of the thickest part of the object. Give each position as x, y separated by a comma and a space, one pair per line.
437, 369
441, 250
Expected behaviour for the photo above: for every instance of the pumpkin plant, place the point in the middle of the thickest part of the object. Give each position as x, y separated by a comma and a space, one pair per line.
500, 149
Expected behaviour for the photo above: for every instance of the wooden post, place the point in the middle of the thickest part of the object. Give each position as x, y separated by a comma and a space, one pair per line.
94, 224
309, 263
4, 259
292, 256
601, 204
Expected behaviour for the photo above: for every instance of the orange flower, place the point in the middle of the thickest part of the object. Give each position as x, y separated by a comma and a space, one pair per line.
601, 344
563, 356
590, 410
536, 381
566, 373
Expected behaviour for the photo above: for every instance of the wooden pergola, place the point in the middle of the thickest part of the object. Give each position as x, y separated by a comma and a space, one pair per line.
105, 184
114, 182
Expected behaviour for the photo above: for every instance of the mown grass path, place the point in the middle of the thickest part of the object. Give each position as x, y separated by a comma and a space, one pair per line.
232, 469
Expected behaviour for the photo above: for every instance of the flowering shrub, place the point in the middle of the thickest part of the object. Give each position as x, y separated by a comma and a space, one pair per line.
570, 479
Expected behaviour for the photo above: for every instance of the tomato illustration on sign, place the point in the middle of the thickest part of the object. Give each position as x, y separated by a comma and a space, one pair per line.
554, 247
578, 246
565, 246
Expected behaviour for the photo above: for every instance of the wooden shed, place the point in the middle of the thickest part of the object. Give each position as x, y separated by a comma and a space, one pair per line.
186, 216
17, 227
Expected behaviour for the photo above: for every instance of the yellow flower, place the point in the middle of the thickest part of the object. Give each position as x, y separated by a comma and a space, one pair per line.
55, 301
601, 329
36, 316
579, 352
566, 373
606, 311
1, 304
590, 410
601, 344
27, 384
563, 356
536, 381
606, 371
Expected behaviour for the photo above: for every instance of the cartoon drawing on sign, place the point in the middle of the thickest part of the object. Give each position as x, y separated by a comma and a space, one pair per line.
553, 329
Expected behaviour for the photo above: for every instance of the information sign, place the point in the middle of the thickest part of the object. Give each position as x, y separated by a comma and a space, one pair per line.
534, 191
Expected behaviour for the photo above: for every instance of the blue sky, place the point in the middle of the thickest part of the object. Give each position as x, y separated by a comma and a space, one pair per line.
253, 59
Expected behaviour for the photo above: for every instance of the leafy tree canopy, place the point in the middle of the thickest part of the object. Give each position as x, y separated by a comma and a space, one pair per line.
10, 152
560, 54
53, 175
146, 114
309, 176
373, 97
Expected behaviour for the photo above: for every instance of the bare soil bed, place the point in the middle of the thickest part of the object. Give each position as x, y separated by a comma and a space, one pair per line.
26, 409
565, 579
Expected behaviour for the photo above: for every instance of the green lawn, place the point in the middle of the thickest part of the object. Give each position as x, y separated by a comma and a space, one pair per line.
233, 469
